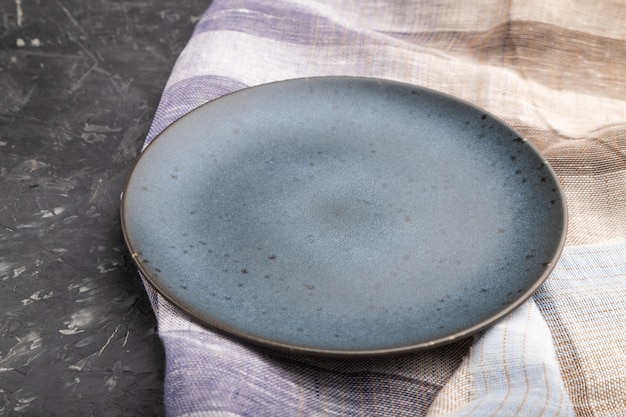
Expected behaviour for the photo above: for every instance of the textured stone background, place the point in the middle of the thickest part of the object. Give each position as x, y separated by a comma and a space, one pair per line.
79, 84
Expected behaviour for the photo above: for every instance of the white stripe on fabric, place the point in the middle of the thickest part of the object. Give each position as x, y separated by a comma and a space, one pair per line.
239, 56
513, 371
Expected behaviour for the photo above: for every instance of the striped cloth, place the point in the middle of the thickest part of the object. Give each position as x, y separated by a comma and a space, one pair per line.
553, 70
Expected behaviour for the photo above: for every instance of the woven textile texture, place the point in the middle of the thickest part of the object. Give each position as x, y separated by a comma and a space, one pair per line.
555, 72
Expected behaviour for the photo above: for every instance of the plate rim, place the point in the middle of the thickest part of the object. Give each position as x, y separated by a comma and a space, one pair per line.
225, 330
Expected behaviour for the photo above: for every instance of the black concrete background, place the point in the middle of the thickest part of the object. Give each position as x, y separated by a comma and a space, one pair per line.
79, 83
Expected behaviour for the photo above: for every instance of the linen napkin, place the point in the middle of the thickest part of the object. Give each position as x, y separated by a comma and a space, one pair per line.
552, 70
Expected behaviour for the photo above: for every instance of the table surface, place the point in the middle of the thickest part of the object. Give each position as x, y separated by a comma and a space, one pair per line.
79, 85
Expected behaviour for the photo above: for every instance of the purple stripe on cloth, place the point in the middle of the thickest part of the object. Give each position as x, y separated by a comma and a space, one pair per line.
264, 20
203, 376
186, 95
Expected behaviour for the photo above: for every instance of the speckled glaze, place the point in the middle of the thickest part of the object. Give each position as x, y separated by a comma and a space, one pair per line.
343, 216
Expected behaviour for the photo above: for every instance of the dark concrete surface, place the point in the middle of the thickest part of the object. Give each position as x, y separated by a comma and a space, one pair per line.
79, 84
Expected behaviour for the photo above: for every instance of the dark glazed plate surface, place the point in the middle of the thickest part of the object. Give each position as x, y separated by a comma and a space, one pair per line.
343, 216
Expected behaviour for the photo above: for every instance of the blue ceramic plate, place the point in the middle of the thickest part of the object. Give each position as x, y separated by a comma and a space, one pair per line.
343, 216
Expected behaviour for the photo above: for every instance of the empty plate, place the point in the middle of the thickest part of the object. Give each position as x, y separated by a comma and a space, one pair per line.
343, 216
